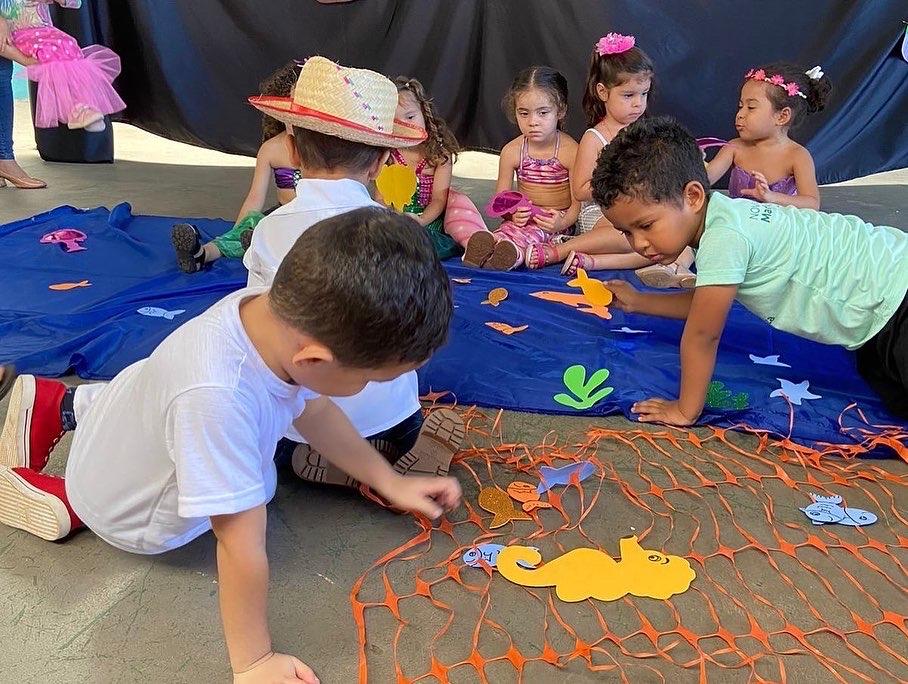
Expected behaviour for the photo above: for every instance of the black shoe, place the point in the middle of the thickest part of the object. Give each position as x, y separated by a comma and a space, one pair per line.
187, 242
246, 239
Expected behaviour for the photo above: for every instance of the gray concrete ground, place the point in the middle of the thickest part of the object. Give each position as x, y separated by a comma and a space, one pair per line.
80, 611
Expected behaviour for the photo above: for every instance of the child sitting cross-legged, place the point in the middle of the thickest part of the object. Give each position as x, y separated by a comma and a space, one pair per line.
827, 277
183, 442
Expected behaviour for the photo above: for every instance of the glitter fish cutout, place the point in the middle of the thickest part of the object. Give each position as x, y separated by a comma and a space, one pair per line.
496, 296
497, 502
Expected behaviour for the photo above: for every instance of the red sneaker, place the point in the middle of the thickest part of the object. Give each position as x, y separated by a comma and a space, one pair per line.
36, 503
33, 424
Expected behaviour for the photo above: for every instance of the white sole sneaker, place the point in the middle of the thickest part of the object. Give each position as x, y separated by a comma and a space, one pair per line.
14, 438
28, 508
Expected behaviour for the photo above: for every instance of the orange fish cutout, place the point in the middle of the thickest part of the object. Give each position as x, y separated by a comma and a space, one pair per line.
594, 291
496, 501
62, 287
505, 328
462, 281
396, 183
523, 491
576, 301
496, 296
529, 506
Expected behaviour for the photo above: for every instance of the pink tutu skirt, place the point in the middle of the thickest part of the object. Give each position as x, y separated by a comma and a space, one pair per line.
68, 77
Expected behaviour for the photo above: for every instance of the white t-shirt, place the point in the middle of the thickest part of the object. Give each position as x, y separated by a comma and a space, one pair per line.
185, 434
380, 405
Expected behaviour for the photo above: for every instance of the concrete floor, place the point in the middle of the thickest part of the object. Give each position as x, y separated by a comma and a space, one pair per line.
81, 611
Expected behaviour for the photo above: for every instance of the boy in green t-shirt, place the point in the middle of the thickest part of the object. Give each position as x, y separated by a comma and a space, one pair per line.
827, 277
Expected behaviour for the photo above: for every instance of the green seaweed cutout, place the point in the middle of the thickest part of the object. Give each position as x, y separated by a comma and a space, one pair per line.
586, 393
718, 397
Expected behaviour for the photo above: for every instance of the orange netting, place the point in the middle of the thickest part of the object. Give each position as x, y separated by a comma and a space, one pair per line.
775, 596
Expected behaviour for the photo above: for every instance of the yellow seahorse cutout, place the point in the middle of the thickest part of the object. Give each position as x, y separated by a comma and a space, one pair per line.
580, 574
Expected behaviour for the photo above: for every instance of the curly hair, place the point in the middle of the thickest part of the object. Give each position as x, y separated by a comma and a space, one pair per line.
279, 83
546, 79
611, 70
653, 159
440, 146
817, 91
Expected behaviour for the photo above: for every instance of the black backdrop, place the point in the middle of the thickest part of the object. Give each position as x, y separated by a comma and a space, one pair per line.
188, 65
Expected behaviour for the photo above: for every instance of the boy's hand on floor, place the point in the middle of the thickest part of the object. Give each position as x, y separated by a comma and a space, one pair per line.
278, 668
661, 411
625, 296
430, 496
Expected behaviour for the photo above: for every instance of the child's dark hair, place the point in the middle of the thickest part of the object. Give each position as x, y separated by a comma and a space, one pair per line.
653, 159
816, 90
440, 145
552, 82
321, 151
367, 285
611, 70
279, 83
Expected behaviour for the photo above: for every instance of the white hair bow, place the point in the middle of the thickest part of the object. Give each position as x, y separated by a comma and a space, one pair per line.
815, 74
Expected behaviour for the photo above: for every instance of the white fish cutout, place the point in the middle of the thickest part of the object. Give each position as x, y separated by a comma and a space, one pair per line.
772, 360
156, 312
630, 331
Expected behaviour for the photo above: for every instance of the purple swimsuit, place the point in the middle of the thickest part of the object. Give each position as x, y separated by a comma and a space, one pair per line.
741, 180
286, 179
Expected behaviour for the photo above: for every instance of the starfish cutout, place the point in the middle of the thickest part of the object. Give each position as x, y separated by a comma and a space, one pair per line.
768, 361
794, 392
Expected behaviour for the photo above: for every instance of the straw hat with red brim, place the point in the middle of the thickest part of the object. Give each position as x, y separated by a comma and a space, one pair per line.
353, 104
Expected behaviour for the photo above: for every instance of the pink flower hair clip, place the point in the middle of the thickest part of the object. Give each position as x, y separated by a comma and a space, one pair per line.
777, 80
614, 44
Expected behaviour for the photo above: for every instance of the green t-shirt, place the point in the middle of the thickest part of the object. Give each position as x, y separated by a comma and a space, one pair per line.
830, 278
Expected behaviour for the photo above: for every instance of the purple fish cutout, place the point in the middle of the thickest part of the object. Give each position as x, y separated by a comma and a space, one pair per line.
550, 477
69, 239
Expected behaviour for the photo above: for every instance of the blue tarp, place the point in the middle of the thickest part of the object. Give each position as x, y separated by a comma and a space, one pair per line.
97, 330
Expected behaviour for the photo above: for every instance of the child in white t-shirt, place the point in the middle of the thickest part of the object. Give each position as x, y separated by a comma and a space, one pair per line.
183, 441
338, 160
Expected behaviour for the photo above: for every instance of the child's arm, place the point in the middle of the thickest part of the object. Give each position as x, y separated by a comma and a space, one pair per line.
440, 186
507, 165
584, 163
721, 163
805, 176
329, 432
243, 596
261, 181
702, 332
627, 298
10, 51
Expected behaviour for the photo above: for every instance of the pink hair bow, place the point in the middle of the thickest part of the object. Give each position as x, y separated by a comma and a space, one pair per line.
614, 44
